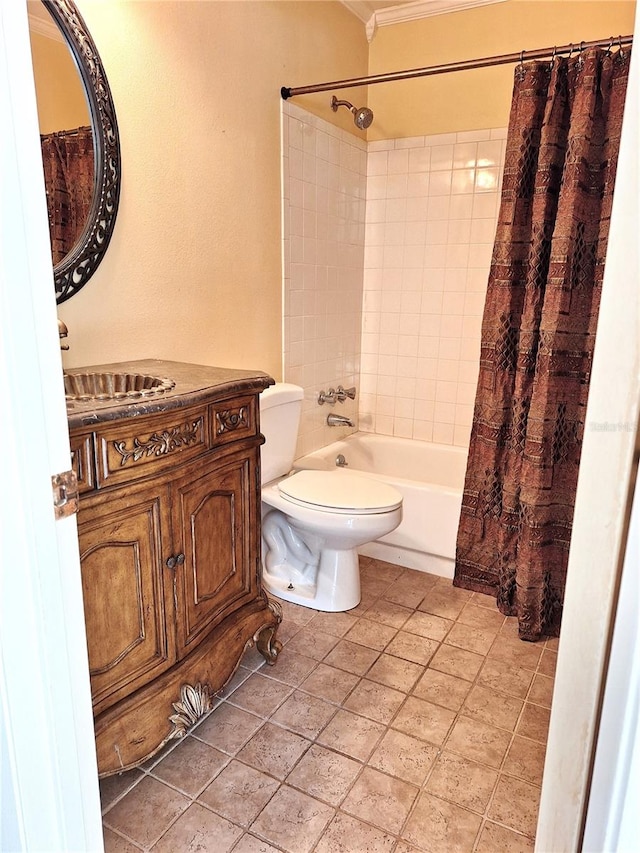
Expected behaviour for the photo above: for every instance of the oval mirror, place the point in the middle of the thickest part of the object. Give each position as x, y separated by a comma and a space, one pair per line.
81, 154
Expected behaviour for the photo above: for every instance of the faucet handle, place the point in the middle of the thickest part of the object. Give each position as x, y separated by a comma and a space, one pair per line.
327, 397
343, 393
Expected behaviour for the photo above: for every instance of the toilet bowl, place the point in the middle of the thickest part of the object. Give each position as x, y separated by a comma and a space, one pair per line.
314, 521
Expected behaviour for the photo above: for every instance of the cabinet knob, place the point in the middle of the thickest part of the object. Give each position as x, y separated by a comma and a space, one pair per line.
179, 559
172, 561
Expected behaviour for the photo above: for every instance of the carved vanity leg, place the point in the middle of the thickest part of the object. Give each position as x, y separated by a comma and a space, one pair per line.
265, 638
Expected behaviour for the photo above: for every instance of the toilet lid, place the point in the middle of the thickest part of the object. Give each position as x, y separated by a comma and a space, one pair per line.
340, 491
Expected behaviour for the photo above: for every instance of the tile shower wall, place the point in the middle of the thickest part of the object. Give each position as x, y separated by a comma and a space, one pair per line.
386, 294
431, 215
323, 187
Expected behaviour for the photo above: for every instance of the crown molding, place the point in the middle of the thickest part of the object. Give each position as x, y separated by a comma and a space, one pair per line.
400, 13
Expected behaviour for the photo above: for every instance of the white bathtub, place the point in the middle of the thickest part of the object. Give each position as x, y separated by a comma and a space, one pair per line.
430, 478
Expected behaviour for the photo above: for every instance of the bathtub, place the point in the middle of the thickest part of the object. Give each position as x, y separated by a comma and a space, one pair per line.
430, 478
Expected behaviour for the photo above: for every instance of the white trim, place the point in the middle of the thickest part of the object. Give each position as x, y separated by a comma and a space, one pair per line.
402, 13
48, 768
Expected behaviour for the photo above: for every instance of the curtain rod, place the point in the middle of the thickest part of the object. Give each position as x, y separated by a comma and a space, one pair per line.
504, 59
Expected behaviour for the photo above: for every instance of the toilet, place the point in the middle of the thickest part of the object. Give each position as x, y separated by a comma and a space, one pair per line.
313, 521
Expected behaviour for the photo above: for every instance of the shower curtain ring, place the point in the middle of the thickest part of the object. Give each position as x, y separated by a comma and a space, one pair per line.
610, 45
620, 45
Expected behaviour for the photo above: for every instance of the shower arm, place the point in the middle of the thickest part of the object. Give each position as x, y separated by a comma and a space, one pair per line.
467, 65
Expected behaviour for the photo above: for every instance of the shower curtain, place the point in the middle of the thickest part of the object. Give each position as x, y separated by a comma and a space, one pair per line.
538, 334
67, 158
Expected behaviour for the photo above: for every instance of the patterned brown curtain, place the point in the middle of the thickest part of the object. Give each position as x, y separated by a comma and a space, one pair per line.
538, 334
67, 157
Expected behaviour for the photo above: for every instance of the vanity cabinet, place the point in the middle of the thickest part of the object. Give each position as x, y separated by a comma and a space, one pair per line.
169, 532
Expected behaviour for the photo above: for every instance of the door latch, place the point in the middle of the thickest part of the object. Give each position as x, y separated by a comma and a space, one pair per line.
65, 494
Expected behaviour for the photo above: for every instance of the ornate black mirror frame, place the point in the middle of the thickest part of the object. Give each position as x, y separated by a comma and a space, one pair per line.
81, 262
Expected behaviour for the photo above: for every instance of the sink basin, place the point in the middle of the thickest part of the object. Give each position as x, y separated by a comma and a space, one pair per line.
113, 386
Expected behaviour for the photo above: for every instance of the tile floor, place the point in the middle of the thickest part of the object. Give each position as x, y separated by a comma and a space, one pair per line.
415, 723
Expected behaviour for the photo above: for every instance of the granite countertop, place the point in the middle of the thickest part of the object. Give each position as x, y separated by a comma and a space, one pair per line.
194, 383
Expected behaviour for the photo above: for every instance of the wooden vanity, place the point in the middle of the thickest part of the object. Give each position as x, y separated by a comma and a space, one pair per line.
169, 530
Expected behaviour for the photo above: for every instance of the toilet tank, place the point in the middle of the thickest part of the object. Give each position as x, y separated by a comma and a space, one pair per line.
280, 409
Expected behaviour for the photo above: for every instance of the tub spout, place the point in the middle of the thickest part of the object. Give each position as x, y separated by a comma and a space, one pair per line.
339, 420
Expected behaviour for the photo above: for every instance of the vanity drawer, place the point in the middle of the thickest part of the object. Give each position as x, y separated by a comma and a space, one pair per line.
82, 460
233, 419
139, 447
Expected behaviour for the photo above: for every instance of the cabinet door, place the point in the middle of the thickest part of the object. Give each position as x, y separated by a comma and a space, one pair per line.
213, 509
130, 638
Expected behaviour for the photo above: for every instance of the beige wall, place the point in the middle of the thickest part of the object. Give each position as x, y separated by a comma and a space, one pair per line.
62, 103
193, 271
470, 100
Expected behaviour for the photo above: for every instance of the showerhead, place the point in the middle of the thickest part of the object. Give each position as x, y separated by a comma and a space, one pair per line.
362, 116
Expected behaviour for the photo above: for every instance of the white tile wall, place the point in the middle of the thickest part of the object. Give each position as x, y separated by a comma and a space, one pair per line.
323, 187
432, 205
387, 296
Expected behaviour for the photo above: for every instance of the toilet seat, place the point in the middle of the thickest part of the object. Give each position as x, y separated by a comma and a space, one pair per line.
339, 491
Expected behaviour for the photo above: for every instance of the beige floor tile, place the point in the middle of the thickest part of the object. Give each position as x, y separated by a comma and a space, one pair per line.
375, 701
371, 634
296, 613
482, 600
311, 643
112, 787
404, 595
117, 844
287, 631
190, 767
239, 793
499, 839
292, 820
473, 639
526, 760
403, 847
324, 774
336, 624
252, 659
352, 735
395, 672
534, 722
404, 757
462, 782
412, 647
512, 680
437, 826
374, 586
457, 662
274, 750
291, 667
479, 741
552, 643
446, 602
515, 804
481, 617
516, 652
493, 708
388, 613
146, 812
442, 689
199, 829
381, 800
424, 720
371, 567
329, 683
306, 715
227, 728
250, 844
548, 661
541, 690
428, 625
346, 834
351, 657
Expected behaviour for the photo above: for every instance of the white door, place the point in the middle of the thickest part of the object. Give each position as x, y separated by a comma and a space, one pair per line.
48, 771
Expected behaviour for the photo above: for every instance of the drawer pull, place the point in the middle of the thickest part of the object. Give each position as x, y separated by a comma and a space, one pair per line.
172, 561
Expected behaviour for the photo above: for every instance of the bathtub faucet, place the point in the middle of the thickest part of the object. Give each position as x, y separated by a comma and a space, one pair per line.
339, 420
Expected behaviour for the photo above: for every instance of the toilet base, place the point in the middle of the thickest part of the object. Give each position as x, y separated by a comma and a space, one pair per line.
337, 586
